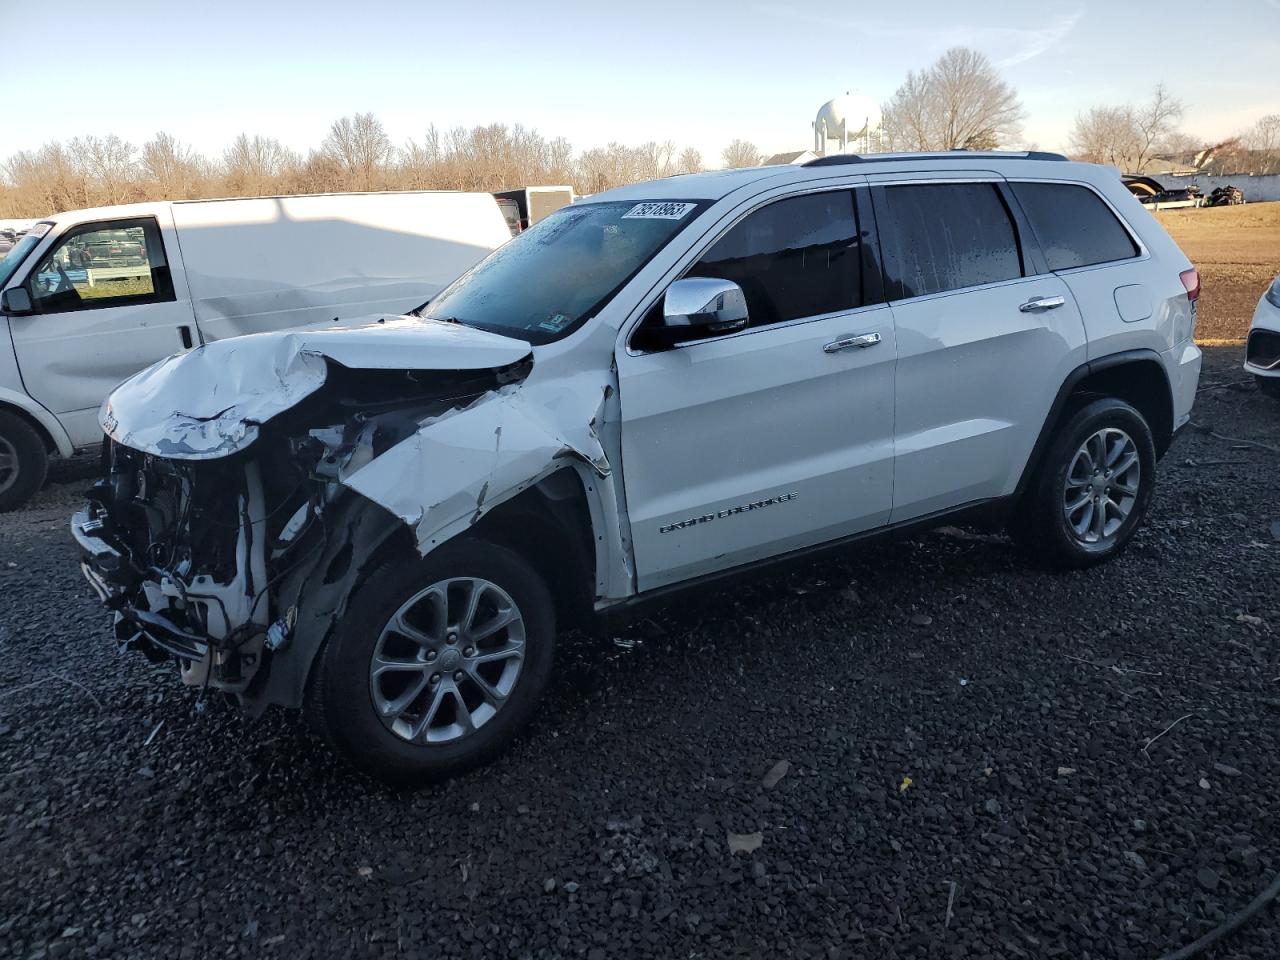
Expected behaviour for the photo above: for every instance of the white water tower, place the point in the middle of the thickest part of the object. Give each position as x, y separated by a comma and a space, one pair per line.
849, 118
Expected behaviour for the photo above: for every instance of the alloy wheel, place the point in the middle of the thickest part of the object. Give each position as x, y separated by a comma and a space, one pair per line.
1102, 484
8, 465
447, 661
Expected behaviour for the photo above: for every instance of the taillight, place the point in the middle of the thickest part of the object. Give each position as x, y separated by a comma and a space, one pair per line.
1191, 280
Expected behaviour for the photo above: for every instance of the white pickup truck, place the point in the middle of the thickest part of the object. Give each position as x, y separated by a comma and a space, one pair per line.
91, 297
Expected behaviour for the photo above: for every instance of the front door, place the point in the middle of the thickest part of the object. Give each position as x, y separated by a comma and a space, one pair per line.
105, 308
753, 444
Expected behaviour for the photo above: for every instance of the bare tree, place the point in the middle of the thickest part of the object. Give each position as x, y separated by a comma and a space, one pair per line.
173, 171
1154, 122
46, 181
361, 146
741, 153
1105, 135
689, 161
1129, 137
959, 102
1262, 142
109, 165
255, 165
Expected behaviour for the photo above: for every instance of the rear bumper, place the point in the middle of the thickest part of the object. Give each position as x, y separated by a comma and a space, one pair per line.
1182, 364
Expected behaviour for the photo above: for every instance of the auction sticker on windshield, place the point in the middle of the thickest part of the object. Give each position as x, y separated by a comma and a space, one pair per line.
658, 211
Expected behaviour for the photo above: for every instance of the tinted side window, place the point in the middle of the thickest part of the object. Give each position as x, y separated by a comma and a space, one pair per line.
1075, 228
795, 258
103, 265
945, 236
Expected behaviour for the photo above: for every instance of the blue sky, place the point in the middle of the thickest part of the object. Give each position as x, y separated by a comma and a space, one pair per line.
699, 73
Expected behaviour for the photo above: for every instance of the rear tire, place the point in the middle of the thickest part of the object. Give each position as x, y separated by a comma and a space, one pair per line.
24, 461
474, 690
1269, 386
1091, 490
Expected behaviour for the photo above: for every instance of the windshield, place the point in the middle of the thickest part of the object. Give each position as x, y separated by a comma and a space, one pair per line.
9, 263
546, 282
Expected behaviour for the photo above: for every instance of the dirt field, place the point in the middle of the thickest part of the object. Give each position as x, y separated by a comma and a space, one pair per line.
1237, 250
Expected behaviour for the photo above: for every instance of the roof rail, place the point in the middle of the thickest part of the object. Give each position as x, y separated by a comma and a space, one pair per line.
836, 159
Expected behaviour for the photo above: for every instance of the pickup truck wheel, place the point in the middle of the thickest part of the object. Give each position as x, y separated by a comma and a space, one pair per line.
1270, 386
1092, 489
437, 664
24, 462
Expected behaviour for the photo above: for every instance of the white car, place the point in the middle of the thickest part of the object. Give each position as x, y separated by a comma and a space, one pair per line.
1262, 350
647, 391
90, 297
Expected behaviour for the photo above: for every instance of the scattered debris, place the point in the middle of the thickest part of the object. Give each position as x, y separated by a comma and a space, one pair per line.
549, 885
1227, 771
904, 785
152, 736
744, 842
365, 871
921, 619
1204, 784
951, 899
1136, 859
1148, 744
1250, 619
775, 774
1066, 771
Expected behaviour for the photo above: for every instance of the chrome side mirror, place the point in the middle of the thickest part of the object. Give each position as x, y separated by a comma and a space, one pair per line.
701, 307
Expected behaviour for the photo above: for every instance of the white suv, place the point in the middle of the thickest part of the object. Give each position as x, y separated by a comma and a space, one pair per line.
388, 523
1262, 350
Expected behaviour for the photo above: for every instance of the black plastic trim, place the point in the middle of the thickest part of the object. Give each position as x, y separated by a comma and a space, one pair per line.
1073, 379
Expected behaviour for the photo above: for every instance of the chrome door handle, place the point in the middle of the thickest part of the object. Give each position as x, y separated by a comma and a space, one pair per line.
1036, 304
862, 340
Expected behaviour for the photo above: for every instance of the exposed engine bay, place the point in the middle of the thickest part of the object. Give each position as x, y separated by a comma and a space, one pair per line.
215, 562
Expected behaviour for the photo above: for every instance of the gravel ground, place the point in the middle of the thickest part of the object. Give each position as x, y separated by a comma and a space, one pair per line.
933, 713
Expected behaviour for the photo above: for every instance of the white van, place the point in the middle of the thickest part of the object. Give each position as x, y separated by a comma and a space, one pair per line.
91, 297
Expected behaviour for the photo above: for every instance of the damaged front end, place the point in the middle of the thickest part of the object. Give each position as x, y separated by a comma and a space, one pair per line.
231, 546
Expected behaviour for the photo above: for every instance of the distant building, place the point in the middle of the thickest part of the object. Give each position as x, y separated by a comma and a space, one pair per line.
795, 156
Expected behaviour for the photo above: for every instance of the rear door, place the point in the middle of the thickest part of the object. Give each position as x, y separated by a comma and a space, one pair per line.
105, 308
986, 335
752, 444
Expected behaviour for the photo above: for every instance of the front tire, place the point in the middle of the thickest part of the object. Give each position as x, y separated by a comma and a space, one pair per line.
1269, 386
437, 664
24, 462
1091, 490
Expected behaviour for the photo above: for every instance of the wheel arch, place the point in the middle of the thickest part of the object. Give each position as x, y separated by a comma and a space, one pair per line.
550, 525
1137, 377
44, 423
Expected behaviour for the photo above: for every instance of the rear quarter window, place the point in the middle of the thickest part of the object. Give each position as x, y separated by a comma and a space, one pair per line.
1073, 224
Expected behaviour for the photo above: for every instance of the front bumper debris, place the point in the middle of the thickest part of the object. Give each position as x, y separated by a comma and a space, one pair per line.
114, 577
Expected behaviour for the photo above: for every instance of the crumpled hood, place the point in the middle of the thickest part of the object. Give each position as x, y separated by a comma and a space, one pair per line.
208, 403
